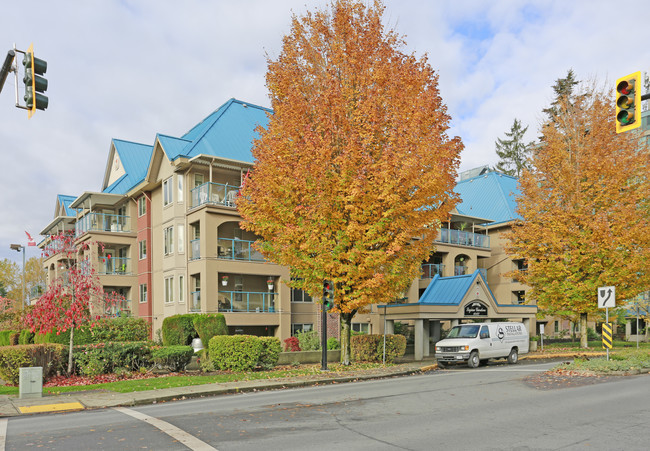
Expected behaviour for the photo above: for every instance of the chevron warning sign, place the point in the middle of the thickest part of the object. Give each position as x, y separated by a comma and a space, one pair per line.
607, 335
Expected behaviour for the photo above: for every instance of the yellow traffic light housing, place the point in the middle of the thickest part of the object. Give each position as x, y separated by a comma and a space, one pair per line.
628, 102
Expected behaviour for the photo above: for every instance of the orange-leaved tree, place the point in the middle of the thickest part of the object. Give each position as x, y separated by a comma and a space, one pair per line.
585, 209
355, 171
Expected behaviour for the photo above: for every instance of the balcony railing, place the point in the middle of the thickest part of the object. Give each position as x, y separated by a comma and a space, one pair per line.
195, 251
429, 270
234, 249
452, 236
214, 194
114, 266
100, 222
195, 302
246, 301
120, 307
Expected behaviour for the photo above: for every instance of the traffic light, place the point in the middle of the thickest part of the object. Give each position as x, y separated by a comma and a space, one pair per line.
328, 295
628, 102
34, 82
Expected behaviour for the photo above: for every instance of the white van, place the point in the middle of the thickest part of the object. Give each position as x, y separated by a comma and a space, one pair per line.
475, 343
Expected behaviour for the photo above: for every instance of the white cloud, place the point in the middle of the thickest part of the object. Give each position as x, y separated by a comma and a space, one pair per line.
128, 70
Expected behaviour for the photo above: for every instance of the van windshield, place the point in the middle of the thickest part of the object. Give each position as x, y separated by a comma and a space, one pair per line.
464, 331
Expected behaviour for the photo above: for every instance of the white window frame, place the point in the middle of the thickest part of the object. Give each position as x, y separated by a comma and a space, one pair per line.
168, 192
179, 186
143, 293
360, 327
142, 206
169, 290
181, 238
142, 249
181, 288
168, 240
295, 326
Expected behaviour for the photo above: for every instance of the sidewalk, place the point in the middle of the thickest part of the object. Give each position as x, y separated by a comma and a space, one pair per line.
14, 406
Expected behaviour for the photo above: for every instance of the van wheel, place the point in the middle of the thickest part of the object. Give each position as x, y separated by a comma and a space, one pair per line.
513, 357
473, 361
442, 365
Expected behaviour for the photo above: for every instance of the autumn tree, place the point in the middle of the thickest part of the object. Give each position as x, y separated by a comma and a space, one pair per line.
512, 151
355, 171
584, 208
10, 280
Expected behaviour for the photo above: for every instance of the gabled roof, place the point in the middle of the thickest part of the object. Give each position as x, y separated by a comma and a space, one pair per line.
134, 158
63, 206
492, 195
450, 290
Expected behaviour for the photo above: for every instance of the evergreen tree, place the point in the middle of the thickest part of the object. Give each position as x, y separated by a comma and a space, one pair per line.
513, 152
563, 93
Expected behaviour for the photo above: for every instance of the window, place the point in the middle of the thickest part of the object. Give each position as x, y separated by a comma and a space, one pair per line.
300, 296
179, 184
557, 326
143, 293
301, 327
181, 239
198, 180
143, 249
181, 287
361, 327
168, 194
168, 240
142, 205
169, 290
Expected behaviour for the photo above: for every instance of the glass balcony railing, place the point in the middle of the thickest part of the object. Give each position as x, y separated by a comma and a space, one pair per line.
429, 270
214, 194
121, 307
100, 222
195, 302
452, 236
246, 301
114, 266
234, 249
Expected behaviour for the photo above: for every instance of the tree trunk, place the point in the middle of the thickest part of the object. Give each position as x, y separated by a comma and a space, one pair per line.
346, 322
584, 343
70, 351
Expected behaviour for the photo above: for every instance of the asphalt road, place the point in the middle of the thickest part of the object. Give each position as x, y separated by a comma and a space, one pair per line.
485, 408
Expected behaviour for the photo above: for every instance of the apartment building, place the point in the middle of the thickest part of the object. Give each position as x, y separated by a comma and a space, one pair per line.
171, 241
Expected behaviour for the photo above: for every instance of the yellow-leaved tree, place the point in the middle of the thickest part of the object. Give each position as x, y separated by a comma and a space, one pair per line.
355, 170
585, 209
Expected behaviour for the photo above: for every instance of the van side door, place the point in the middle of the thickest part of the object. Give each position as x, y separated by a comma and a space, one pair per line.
486, 350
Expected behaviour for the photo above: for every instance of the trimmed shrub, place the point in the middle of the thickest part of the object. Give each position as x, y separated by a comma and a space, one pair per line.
291, 344
309, 341
333, 343
48, 356
105, 358
26, 337
235, 352
208, 326
173, 358
178, 330
370, 348
5, 337
120, 329
13, 338
270, 353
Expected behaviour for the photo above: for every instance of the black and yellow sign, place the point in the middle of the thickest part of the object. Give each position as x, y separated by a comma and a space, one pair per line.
607, 335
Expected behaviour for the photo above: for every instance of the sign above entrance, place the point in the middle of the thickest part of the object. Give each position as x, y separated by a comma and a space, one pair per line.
476, 308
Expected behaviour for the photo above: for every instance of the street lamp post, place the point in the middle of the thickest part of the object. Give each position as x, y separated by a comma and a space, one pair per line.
19, 248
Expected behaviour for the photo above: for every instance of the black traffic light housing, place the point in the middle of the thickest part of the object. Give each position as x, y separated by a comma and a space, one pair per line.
35, 83
328, 295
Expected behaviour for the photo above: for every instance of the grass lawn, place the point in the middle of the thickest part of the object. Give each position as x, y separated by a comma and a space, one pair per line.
187, 379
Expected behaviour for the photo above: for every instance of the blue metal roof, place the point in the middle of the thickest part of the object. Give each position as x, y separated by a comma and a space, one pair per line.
492, 195
448, 290
64, 200
173, 147
135, 159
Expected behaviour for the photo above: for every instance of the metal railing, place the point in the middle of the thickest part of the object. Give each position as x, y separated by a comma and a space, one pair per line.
429, 270
215, 194
100, 222
234, 249
246, 301
452, 236
114, 266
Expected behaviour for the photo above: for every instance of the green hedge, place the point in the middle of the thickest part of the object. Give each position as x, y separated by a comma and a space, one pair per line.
106, 329
271, 349
173, 358
208, 326
26, 337
48, 356
309, 341
178, 330
105, 358
5, 337
370, 348
235, 352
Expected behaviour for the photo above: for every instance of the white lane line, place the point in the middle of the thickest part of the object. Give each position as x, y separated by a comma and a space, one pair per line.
3, 433
186, 439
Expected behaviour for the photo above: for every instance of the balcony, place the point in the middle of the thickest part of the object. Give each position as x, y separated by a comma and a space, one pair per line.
234, 249
463, 238
100, 222
114, 307
114, 266
429, 270
214, 194
243, 301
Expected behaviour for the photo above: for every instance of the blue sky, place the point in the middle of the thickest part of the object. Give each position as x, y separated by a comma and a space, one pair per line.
131, 69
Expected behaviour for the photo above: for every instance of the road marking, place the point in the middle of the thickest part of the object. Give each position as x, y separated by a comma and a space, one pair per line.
3, 433
186, 439
52, 407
